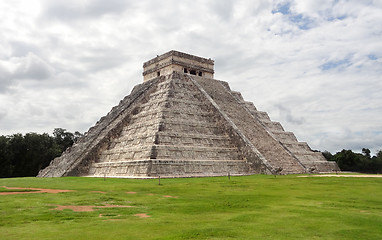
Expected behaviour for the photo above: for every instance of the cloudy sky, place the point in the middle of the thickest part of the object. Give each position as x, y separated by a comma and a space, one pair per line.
313, 65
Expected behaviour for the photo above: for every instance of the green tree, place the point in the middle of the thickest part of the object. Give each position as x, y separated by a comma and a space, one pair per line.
348, 160
376, 163
41, 149
366, 152
22, 156
65, 139
6, 167
17, 150
328, 155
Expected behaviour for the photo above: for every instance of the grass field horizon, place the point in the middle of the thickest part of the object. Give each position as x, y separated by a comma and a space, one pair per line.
245, 207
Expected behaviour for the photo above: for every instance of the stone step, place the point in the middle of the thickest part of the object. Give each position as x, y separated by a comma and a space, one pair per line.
283, 136
180, 138
272, 126
193, 135
251, 107
126, 153
180, 83
166, 92
188, 123
170, 168
192, 128
169, 152
146, 116
174, 101
262, 116
171, 81
297, 147
309, 156
158, 95
169, 113
138, 139
171, 138
196, 152
207, 161
238, 96
142, 126
187, 108
200, 115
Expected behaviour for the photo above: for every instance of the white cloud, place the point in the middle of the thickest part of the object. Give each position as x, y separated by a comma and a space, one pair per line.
31, 67
73, 10
315, 66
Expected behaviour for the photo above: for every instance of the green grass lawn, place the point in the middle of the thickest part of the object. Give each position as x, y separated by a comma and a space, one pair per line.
249, 207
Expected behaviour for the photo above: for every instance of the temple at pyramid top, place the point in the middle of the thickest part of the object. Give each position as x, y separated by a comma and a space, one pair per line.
174, 61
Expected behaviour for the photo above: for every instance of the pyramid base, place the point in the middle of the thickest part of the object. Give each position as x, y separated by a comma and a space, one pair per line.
169, 168
322, 167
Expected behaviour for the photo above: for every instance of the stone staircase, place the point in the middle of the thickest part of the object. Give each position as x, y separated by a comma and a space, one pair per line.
172, 133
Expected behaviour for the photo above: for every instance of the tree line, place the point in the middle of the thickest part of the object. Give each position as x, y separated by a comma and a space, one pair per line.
25, 155
347, 160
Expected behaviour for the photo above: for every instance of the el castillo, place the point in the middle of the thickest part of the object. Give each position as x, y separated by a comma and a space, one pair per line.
181, 122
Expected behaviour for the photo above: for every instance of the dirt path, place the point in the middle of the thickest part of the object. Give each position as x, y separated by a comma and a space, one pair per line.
87, 208
98, 191
142, 215
353, 175
168, 196
33, 190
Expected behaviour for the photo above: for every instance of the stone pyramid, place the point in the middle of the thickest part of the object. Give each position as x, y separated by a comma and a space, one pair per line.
180, 122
